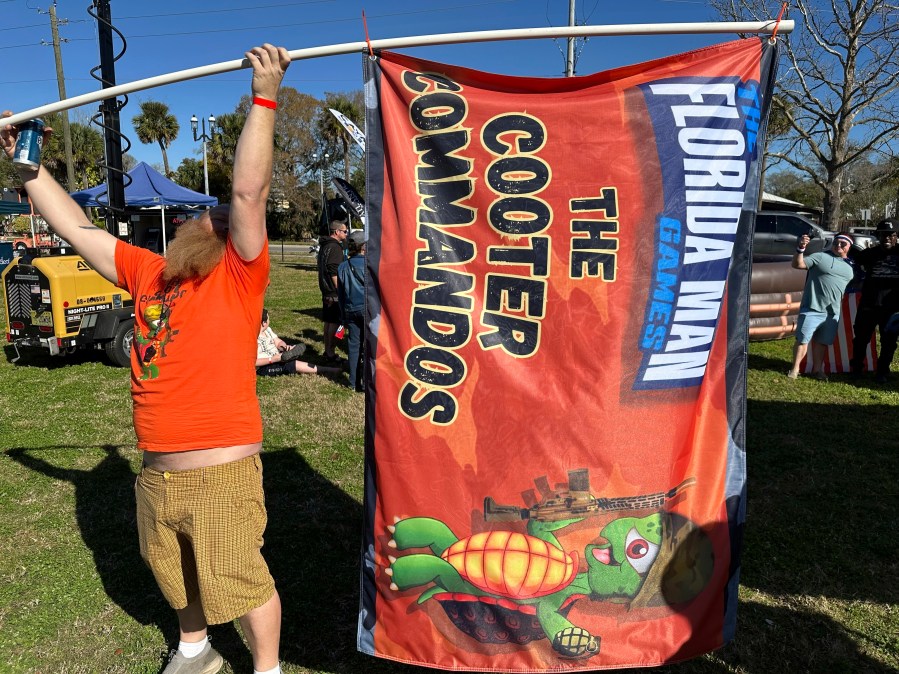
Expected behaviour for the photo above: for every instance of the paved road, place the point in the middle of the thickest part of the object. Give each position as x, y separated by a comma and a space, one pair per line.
275, 248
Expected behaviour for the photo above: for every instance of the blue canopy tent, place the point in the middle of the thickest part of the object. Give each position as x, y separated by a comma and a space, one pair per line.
11, 203
14, 208
148, 189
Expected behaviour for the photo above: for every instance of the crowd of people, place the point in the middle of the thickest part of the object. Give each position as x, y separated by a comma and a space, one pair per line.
829, 274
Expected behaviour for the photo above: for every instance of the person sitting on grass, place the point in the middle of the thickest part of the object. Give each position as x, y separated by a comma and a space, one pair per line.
275, 357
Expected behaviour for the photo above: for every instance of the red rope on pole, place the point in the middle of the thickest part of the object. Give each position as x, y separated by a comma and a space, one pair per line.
783, 8
371, 52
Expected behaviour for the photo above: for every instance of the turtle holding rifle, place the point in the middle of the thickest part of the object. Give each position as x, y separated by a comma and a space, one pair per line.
502, 587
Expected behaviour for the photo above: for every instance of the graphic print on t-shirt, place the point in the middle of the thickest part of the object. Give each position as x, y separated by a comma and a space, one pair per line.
156, 313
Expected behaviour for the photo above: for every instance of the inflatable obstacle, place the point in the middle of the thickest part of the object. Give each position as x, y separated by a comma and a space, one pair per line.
776, 292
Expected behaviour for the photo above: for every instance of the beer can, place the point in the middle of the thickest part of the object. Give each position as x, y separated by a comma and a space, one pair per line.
29, 143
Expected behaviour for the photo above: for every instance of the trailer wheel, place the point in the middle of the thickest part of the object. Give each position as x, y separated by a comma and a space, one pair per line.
118, 349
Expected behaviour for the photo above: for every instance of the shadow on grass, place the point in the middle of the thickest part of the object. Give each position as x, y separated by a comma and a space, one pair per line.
301, 266
819, 524
822, 501
32, 357
761, 363
313, 551
105, 512
312, 548
784, 639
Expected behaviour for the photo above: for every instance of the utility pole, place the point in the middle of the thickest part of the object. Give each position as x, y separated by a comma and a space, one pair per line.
61, 82
569, 62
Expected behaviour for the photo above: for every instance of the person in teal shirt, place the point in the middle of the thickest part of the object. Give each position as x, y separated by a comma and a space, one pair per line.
829, 272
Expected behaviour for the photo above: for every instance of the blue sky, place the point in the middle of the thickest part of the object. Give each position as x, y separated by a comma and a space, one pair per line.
166, 35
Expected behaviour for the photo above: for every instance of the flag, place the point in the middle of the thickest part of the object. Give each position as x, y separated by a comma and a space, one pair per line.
556, 328
351, 128
838, 354
351, 197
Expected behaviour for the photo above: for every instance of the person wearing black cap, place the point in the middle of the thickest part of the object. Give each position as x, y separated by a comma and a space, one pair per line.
829, 272
880, 299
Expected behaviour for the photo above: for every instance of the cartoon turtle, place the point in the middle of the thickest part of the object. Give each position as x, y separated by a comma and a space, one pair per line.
159, 334
506, 587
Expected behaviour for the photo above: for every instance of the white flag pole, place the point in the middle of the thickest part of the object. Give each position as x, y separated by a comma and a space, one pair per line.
747, 27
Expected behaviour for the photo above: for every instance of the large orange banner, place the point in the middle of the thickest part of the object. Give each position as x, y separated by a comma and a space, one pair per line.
557, 312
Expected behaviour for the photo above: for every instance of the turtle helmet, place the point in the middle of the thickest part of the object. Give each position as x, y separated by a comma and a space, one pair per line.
886, 227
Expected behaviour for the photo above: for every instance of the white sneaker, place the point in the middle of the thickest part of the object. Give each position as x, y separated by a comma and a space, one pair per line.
207, 662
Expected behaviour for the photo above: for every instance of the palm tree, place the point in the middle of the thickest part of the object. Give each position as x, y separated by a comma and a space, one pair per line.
156, 124
87, 149
332, 132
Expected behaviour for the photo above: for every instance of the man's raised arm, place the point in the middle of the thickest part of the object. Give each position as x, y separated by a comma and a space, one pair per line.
253, 157
64, 216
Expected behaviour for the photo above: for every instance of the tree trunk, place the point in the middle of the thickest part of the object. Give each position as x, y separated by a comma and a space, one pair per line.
165, 159
833, 199
346, 156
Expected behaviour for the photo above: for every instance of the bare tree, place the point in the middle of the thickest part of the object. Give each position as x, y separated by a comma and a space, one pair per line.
838, 78
294, 196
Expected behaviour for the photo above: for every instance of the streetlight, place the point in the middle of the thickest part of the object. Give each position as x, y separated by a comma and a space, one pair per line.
205, 138
321, 173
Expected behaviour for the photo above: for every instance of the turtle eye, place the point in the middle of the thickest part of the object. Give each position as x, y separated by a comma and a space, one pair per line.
637, 549
640, 552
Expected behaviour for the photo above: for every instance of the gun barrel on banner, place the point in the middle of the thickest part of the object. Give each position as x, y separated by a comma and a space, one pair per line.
568, 505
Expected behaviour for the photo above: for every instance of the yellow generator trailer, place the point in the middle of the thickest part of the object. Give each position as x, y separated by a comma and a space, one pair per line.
57, 302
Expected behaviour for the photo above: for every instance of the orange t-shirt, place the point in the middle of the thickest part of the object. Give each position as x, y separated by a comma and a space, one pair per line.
193, 380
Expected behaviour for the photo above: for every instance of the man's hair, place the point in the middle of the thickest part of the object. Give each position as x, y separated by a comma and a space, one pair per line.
337, 224
264, 314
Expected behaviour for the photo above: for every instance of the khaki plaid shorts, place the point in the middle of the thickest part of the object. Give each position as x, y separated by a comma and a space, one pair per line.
201, 535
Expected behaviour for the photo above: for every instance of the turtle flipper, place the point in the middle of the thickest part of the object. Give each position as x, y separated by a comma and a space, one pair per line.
575, 642
416, 570
421, 532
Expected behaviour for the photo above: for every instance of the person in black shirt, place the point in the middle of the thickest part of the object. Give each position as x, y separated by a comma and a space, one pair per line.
880, 299
330, 255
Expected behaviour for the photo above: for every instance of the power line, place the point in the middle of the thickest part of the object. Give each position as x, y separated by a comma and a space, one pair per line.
44, 44
222, 11
62, 22
280, 25
30, 25
325, 21
17, 46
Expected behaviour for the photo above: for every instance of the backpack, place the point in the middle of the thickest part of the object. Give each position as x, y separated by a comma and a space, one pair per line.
352, 288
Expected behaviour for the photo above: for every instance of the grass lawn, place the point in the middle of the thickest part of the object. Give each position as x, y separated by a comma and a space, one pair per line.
820, 566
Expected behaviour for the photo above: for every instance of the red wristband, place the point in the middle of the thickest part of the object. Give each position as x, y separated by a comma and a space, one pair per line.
264, 102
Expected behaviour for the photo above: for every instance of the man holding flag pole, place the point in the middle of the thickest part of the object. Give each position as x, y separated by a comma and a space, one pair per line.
200, 504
